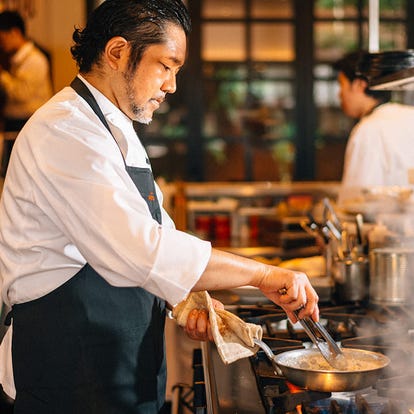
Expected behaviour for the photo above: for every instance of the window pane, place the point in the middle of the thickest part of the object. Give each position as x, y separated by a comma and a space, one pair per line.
223, 42
272, 8
224, 101
392, 36
333, 40
272, 42
337, 9
326, 93
225, 71
389, 9
273, 71
230, 9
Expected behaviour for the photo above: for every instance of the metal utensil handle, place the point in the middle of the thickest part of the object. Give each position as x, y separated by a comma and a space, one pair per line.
269, 353
308, 329
312, 329
318, 333
329, 207
321, 339
333, 346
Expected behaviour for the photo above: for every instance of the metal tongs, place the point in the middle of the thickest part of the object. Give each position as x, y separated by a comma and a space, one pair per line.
324, 342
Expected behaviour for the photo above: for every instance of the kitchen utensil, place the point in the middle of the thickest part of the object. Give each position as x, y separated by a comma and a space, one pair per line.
351, 277
328, 208
359, 221
323, 341
315, 229
304, 368
391, 281
364, 368
269, 353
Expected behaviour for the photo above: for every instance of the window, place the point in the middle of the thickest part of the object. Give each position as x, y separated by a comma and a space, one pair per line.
258, 99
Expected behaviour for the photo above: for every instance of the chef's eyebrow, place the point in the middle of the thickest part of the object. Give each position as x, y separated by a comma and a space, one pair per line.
178, 62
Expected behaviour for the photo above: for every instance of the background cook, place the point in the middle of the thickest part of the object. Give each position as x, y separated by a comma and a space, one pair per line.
380, 150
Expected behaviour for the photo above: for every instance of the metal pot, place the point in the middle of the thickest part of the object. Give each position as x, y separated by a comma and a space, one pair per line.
327, 380
391, 275
351, 278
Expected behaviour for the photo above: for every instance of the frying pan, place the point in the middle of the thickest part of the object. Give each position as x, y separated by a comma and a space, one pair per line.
307, 368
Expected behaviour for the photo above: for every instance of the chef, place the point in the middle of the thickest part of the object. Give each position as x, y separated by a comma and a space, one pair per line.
89, 257
380, 149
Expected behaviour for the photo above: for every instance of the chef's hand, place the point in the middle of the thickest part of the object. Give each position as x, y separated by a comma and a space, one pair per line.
292, 291
198, 325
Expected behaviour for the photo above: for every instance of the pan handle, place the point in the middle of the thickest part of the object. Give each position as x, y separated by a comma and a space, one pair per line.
269, 353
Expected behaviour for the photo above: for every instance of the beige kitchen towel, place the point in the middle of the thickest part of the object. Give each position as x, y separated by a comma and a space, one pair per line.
232, 336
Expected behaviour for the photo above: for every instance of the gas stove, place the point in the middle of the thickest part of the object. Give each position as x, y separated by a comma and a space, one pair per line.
251, 386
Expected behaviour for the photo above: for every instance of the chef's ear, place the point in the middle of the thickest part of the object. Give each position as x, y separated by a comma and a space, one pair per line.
116, 51
359, 84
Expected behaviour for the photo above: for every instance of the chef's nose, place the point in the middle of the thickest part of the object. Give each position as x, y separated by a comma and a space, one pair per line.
170, 84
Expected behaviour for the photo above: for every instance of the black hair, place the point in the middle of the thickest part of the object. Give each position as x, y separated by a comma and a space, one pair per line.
361, 65
349, 65
140, 22
10, 19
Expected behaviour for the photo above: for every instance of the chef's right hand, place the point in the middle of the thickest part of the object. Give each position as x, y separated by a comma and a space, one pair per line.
292, 291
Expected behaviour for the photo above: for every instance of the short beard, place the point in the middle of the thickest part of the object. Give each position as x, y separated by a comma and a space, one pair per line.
137, 111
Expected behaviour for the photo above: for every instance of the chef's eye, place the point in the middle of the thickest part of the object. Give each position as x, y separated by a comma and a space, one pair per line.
166, 68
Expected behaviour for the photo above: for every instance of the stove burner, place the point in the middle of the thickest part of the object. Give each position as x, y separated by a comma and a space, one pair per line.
359, 404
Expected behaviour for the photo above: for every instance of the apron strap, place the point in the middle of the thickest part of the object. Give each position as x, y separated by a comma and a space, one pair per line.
146, 186
8, 318
82, 90
86, 94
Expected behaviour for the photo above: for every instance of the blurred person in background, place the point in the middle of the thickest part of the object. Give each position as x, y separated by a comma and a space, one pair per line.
380, 148
26, 82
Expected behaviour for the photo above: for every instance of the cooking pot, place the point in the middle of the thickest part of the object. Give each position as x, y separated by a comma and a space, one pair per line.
351, 278
302, 367
391, 273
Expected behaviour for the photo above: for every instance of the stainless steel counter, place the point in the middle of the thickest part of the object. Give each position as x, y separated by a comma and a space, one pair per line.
232, 388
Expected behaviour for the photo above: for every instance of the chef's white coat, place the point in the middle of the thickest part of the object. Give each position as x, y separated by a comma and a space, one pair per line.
68, 200
380, 151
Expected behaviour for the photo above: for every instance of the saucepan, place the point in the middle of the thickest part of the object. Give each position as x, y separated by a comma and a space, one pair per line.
307, 368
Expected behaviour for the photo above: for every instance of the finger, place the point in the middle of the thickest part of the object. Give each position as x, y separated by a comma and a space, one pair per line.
288, 294
315, 314
197, 325
202, 322
192, 321
210, 332
312, 300
291, 316
217, 304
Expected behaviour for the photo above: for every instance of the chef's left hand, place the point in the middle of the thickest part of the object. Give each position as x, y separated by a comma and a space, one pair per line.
198, 325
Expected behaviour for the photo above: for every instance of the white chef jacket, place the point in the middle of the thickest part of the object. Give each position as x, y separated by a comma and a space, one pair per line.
27, 84
68, 200
380, 151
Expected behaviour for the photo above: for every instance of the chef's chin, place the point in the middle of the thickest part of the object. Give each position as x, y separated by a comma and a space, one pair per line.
143, 117
145, 121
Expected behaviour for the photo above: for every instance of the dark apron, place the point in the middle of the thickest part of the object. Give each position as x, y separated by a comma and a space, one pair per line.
89, 347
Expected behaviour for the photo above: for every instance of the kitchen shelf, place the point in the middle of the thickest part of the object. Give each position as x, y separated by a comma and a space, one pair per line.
214, 209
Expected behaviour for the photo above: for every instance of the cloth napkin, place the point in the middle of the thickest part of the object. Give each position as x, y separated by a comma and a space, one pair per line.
232, 336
